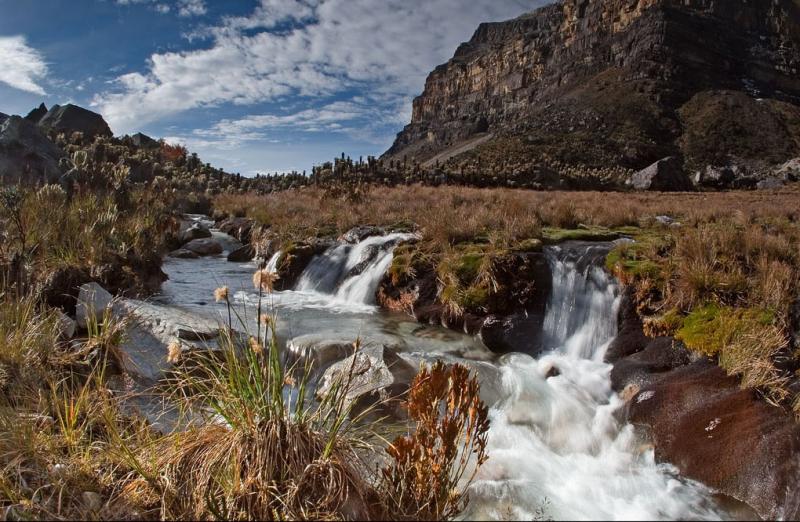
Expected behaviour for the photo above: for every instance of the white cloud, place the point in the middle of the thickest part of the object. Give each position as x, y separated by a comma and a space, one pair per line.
21, 66
184, 8
306, 48
191, 7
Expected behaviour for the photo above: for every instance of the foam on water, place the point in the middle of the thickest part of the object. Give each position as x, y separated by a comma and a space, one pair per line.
555, 447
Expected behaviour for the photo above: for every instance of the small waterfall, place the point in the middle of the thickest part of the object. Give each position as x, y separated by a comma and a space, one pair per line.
556, 448
581, 314
351, 273
272, 265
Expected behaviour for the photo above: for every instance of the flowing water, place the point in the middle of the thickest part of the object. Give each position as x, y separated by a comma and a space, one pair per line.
556, 447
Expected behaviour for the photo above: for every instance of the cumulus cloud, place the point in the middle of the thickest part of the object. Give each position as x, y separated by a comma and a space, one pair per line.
306, 48
21, 66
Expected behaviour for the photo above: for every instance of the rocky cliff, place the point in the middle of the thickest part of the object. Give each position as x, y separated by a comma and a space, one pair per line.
598, 83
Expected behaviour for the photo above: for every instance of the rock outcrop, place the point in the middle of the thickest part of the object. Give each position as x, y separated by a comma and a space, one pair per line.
618, 82
26, 154
71, 118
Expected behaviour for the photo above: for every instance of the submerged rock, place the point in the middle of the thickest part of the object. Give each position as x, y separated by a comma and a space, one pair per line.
182, 253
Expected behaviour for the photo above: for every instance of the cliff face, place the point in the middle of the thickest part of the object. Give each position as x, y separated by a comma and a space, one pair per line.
615, 82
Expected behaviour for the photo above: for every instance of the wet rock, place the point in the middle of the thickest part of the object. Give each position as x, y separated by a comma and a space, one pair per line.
666, 175
630, 338
770, 184
296, 258
723, 436
372, 375
242, 254
196, 231
204, 247
660, 355
318, 352
26, 154
238, 227
514, 333
71, 118
182, 253
360, 233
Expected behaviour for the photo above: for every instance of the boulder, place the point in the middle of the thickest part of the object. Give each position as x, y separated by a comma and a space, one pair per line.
71, 118
666, 175
374, 375
151, 329
195, 231
770, 184
789, 171
182, 253
3, 117
66, 326
26, 154
630, 339
360, 233
36, 115
723, 436
243, 254
319, 353
204, 247
238, 227
515, 333
715, 177
660, 355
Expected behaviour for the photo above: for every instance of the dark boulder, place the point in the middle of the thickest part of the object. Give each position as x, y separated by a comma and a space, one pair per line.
666, 175
182, 253
715, 177
295, 259
238, 227
630, 338
71, 118
660, 355
26, 154
243, 254
514, 333
726, 437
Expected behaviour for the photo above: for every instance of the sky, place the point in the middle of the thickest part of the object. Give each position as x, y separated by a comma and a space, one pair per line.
250, 85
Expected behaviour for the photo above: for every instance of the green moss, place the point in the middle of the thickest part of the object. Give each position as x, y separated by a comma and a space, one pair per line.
474, 297
711, 328
558, 235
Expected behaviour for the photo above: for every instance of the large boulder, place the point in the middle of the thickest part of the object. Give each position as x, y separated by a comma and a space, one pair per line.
726, 437
151, 329
204, 247
71, 118
666, 175
26, 154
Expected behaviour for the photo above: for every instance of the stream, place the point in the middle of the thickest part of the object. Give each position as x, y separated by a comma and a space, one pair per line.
556, 447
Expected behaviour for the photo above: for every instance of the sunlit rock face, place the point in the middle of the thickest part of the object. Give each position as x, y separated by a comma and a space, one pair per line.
611, 77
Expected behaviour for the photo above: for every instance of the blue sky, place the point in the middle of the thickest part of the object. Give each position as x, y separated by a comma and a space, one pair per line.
251, 85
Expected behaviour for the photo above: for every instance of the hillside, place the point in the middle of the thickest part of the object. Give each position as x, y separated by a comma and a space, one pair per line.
593, 84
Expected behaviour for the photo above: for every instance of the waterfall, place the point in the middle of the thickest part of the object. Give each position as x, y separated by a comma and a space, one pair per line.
556, 448
272, 265
351, 273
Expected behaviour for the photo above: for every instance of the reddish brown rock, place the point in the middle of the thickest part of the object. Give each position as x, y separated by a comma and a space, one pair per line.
725, 437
